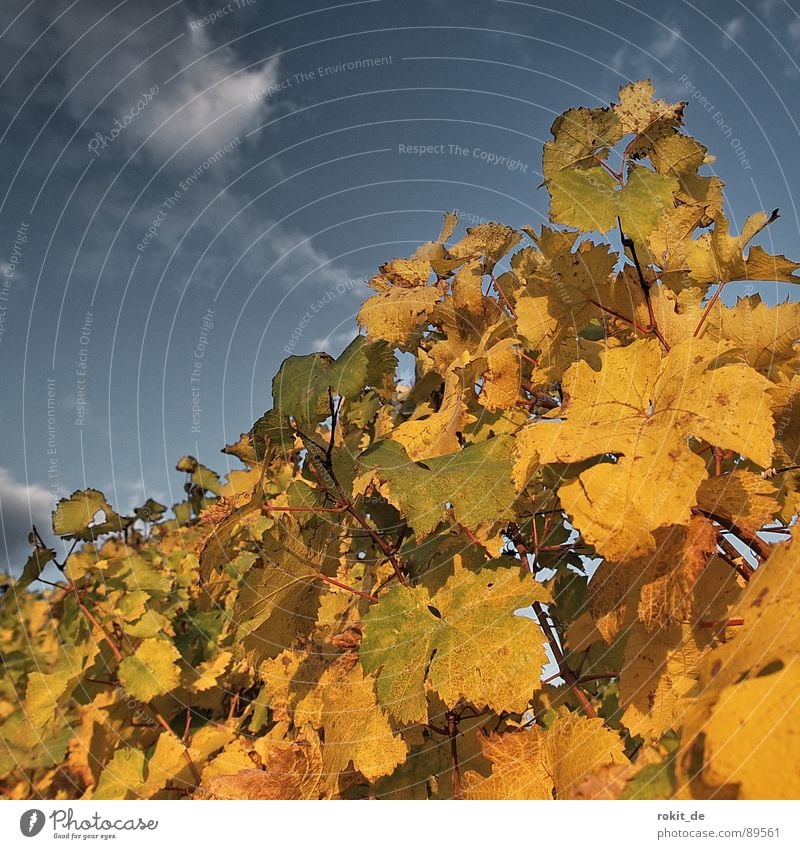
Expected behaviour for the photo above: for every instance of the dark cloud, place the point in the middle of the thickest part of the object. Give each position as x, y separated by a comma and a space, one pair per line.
21, 506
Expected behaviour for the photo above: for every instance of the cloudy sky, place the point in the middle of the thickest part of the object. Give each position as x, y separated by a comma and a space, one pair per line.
191, 177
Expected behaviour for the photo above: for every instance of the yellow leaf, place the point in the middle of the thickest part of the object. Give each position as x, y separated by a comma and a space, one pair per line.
395, 314
151, 670
165, 765
490, 241
356, 728
765, 336
291, 684
741, 497
563, 303
752, 737
671, 576
501, 380
539, 764
643, 408
580, 137
436, 434
207, 674
231, 760
638, 110
465, 641
123, 776
660, 671
718, 257
292, 770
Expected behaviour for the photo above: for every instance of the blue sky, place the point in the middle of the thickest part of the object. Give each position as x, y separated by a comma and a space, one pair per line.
196, 177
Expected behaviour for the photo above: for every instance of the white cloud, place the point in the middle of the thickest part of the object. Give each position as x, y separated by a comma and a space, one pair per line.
666, 43
21, 506
208, 85
794, 32
187, 85
653, 59
733, 29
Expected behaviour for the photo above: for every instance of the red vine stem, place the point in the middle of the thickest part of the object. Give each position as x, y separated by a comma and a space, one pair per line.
707, 310
342, 586
103, 633
503, 296
165, 725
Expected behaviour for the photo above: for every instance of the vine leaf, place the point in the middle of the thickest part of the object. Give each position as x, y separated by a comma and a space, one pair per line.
356, 727
48, 692
123, 775
464, 642
151, 670
659, 674
74, 517
591, 199
765, 336
301, 387
744, 719
280, 593
475, 482
541, 764
642, 409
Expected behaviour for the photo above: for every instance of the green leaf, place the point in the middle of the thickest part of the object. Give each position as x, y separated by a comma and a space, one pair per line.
300, 388
591, 199
476, 481
33, 568
123, 776
48, 693
279, 595
464, 641
151, 671
73, 516
150, 511
139, 574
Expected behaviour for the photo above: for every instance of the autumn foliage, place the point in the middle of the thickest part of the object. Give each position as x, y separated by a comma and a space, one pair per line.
559, 564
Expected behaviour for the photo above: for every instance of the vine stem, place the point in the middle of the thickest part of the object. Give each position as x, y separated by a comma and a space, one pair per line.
549, 631
503, 296
628, 243
387, 550
103, 633
755, 543
274, 508
473, 539
566, 673
165, 725
641, 328
728, 623
707, 310
335, 583
611, 171
452, 733
730, 555
345, 504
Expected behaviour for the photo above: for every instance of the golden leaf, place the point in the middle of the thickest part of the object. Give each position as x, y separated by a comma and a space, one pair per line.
642, 409
539, 764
